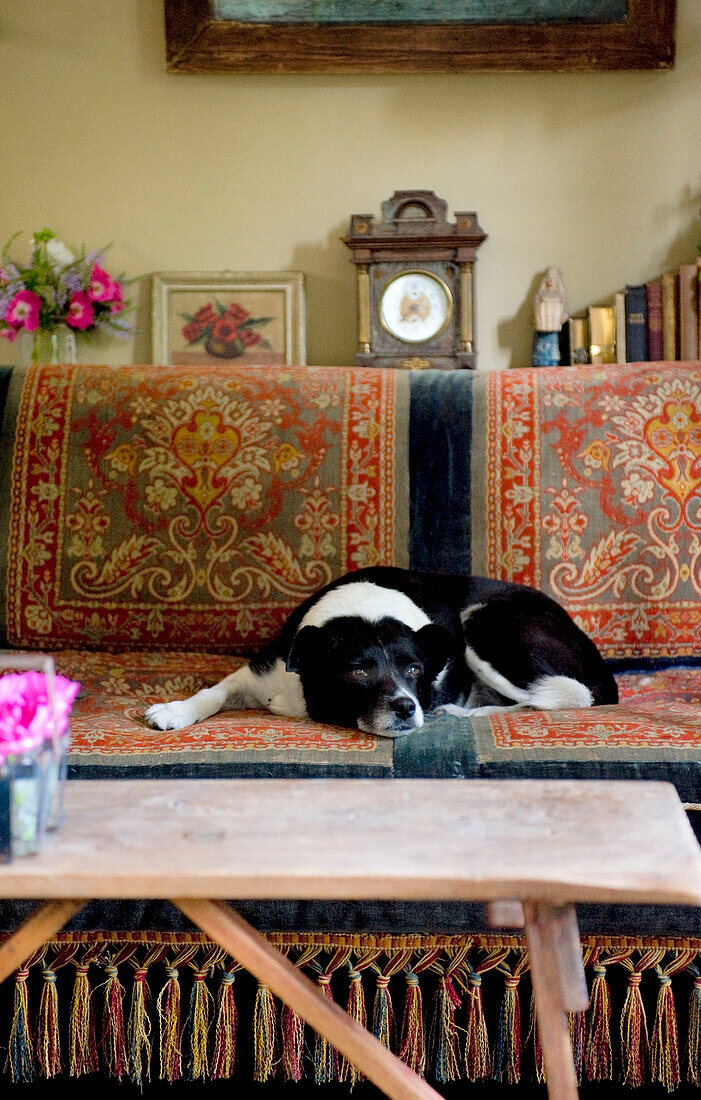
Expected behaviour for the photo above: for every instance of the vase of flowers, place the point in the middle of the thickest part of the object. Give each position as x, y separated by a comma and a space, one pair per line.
47, 345
34, 711
58, 294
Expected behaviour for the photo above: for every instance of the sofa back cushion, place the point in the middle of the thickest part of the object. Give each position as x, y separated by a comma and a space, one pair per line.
586, 483
162, 506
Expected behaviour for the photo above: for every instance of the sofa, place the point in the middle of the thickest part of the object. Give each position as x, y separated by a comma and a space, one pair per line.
158, 525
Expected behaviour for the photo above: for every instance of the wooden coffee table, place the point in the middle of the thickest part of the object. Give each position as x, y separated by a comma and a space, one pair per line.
530, 848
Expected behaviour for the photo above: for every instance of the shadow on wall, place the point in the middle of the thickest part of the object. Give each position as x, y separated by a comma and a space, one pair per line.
326, 295
331, 299
685, 247
516, 333
141, 318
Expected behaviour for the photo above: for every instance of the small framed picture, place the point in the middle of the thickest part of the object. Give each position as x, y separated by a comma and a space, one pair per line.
255, 318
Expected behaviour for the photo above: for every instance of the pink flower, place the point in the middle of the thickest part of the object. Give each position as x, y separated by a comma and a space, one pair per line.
24, 310
117, 302
25, 713
101, 287
81, 313
9, 334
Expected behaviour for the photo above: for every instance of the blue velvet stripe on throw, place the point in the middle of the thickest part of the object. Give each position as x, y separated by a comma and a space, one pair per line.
440, 438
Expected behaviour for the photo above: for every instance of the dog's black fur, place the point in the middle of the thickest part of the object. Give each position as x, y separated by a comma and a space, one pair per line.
489, 644
518, 630
351, 669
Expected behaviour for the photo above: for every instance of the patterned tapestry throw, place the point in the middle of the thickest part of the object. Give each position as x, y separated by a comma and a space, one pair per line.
585, 484
149, 507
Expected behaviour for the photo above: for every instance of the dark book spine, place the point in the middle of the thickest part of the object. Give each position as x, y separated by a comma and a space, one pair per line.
636, 324
655, 342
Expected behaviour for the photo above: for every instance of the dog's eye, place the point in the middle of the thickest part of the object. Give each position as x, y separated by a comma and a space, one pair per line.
414, 670
358, 673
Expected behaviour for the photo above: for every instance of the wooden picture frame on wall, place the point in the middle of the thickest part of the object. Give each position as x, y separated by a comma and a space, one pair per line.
278, 36
250, 318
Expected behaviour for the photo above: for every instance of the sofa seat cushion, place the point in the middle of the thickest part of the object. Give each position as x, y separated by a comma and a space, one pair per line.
655, 731
111, 739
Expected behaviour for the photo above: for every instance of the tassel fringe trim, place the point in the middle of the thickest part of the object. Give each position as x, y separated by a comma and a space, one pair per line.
139, 1006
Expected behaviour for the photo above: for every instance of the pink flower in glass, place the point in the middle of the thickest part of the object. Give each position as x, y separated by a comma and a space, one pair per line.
25, 713
65, 692
24, 310
101, 287
81, 313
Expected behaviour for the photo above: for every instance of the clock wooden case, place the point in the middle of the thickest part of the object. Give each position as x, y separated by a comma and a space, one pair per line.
416, 284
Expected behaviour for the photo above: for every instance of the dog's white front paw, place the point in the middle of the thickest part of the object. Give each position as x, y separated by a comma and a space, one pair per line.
171, 716
288, 704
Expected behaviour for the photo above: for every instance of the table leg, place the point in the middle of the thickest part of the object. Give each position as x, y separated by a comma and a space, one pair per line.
248, 947
40, 926
505, 914
559, 986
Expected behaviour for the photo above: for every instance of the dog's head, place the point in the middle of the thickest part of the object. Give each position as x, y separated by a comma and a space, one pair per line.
377, 676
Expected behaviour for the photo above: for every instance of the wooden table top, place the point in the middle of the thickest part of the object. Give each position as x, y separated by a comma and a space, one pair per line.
558, 840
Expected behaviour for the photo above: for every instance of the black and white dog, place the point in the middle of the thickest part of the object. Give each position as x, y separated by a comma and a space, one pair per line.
381, 648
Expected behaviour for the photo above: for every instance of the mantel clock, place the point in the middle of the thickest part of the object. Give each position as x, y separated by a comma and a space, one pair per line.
416, 283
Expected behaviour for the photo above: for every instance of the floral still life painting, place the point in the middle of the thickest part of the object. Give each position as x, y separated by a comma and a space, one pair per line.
255, 318
225, 331
59, 287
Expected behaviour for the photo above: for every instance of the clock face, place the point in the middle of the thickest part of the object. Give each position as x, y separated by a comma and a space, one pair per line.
415, 306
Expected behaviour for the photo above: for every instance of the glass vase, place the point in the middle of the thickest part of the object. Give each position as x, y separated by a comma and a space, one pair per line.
32, 783
46, 345
24, 779
56, 775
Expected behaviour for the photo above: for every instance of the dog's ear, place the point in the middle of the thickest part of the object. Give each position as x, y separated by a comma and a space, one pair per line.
307, 645
436, 644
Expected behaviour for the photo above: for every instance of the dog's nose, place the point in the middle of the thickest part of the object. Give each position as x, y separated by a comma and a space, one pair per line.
403, 706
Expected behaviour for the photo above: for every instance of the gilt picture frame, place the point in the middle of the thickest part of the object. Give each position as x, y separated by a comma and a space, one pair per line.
350, 36
246, 318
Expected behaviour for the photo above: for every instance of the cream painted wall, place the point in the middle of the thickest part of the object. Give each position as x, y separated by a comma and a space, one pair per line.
599, 173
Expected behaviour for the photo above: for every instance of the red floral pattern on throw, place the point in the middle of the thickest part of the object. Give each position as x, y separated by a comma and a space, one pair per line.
651, 726
150, 507
664, 686
658, 711
592, 494
108, 726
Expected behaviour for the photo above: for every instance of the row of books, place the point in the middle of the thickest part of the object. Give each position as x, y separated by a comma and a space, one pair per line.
659, 320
